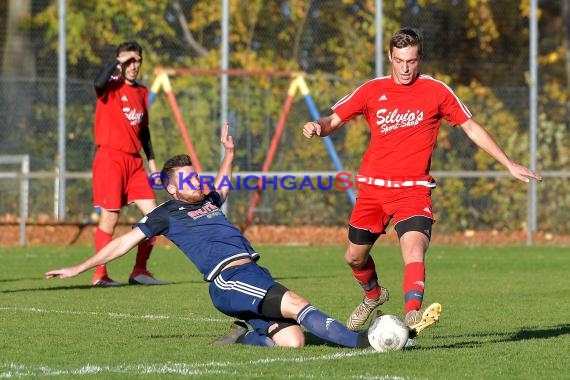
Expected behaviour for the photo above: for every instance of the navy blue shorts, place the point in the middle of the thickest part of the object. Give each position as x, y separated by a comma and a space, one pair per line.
238, 292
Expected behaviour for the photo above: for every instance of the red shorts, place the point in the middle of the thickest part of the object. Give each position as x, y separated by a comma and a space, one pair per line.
118, 179
376, 206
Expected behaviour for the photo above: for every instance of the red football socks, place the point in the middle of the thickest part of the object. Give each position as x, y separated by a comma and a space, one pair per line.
368, 279
102, 238
414, 283
143, 253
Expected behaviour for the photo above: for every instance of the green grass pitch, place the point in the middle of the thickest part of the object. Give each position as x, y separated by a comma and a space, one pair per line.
505, 316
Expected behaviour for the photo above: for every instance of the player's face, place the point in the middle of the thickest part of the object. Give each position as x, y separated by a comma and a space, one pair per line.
405, 64
131, 67
187, 185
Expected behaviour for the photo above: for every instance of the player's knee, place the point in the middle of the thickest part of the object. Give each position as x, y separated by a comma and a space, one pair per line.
353, 261
356, 256
287, 335
108, 220
359, 246
291, 342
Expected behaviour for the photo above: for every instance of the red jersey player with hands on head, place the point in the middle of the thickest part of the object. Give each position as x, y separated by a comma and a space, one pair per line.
404, 112
119, 177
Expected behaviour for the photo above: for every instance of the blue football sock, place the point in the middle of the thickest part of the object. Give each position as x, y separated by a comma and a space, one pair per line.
330, 329
254, 339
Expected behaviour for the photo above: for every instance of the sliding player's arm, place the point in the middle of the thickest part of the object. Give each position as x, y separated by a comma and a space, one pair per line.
225, 171
116, 248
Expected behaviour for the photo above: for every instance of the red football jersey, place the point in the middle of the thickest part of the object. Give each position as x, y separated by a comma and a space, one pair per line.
404, 121
120, 115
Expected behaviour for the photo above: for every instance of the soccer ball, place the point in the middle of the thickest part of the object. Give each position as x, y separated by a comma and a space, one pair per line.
388, 333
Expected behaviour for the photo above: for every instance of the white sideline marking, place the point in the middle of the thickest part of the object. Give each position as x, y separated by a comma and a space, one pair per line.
111, 314
9, 370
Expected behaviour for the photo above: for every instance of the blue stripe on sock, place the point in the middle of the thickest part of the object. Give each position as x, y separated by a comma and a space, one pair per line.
414, 295
371, 285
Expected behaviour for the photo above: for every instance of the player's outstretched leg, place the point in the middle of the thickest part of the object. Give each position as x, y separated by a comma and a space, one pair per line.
417, 322
329, 329
358, 317
237, 331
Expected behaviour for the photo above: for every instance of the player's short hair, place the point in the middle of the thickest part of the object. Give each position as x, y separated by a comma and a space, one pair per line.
174, 163
406, 37
129, 46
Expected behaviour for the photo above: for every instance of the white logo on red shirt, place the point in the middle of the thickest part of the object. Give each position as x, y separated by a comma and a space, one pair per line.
133, 116
391, 120
382, 98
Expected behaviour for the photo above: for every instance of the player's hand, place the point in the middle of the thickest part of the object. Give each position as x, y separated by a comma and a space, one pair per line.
311, 129
61, 273
126, 56
227, 140
522, 173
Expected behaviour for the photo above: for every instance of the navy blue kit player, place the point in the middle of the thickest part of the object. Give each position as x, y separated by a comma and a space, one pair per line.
239, 287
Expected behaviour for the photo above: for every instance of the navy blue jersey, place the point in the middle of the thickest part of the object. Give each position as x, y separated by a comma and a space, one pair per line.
201, 231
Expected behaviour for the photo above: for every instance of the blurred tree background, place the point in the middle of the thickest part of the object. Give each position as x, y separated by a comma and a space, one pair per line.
479, 47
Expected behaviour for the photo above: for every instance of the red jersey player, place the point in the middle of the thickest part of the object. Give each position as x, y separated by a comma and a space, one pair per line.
403, 112
119, 178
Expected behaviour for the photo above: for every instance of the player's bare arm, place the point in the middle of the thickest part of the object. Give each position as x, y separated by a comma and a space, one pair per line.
322, 127
483, 139
116, 248
152, 166
225, 170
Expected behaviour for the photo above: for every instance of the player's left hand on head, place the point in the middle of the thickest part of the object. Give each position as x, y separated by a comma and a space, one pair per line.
126, 56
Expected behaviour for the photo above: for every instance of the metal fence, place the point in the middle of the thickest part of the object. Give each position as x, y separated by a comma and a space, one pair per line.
29, 128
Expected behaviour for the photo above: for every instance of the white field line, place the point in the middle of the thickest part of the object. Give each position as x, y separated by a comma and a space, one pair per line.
9, 370
226, 368
110, 314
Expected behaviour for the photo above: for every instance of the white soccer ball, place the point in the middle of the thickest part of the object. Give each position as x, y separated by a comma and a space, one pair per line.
388, 333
